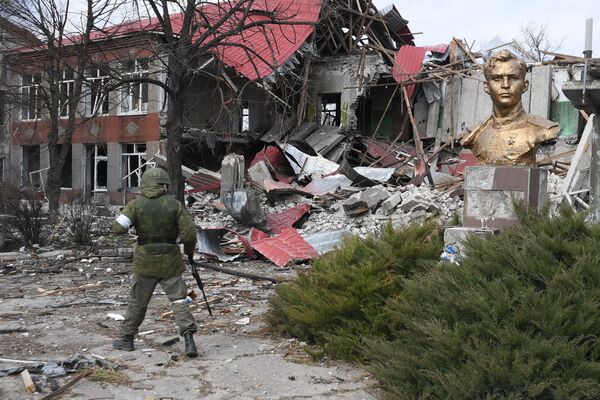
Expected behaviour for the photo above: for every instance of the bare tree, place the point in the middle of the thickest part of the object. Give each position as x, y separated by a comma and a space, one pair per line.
534, 43
56, 70
192, 31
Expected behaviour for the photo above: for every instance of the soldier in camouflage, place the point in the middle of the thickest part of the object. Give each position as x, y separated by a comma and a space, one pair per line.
158, 219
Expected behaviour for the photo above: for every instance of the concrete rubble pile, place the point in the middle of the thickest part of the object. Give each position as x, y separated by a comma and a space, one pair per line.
293, 216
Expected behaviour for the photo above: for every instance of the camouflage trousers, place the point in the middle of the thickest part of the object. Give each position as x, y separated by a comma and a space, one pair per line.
140, 294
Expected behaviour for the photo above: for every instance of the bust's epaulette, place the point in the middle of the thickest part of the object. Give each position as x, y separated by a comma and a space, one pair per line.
467, 139
540, 121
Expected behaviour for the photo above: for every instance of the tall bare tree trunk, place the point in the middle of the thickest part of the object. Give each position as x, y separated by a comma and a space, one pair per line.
174, 127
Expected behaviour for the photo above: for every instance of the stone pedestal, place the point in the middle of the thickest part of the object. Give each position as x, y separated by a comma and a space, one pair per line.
491, 190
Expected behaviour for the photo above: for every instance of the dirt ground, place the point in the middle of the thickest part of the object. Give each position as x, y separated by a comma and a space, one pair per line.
239, 357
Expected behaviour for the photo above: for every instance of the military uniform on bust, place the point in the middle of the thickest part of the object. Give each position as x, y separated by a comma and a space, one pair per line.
159, 219
510, 136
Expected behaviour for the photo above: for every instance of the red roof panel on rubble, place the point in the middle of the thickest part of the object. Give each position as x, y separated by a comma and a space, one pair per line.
287, 246
277, 222
252, 53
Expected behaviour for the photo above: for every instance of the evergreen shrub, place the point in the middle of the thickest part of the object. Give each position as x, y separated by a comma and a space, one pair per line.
519, 319
337, 302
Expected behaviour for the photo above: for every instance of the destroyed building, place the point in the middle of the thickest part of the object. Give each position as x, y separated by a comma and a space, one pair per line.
322, 73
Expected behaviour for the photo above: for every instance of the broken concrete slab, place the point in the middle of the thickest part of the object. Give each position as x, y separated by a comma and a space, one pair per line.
259, 172
390, 203
373, 196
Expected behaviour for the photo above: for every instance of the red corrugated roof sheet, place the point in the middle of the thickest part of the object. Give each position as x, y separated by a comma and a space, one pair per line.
277, 222
407, 64
253, 52
286, 247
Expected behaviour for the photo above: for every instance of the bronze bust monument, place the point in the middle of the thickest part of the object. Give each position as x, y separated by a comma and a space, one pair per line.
510, 136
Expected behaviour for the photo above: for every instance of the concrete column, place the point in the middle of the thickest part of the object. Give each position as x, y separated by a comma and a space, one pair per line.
232, 174
151, 149
113, 179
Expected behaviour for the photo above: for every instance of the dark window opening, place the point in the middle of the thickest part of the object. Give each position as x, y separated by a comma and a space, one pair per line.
331, 109
30, 163
66, 172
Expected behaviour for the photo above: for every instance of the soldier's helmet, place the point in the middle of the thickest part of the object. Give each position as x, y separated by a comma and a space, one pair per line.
154, 176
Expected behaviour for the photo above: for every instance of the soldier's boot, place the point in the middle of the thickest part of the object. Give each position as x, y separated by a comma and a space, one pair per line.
124, 343
190, 346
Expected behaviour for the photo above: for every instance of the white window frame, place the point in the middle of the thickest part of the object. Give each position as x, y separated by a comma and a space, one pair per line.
32, 85
97, 99
133, 173
132, 94
99, 158
65, 92
245, 117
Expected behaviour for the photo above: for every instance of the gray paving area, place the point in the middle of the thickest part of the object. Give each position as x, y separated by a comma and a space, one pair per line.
239, 357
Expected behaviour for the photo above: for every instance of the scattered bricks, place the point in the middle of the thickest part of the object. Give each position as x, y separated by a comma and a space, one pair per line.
259, 172
232, 174
390, 203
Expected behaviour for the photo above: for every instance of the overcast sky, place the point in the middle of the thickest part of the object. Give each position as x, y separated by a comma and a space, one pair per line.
482, 20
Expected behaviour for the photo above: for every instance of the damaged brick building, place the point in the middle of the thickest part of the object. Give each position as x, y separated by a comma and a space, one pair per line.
323, 69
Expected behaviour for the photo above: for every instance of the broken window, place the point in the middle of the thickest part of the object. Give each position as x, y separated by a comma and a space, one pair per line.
134, 159
30, 162
31, 105
100, 167
65, 90
134, 95
330, 109
98, 79
67, 168
245, 117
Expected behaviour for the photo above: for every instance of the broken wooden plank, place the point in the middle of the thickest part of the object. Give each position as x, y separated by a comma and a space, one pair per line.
66, 386
212, 300
28, 382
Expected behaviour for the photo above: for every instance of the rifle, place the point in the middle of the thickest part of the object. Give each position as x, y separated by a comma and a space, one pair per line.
199, 281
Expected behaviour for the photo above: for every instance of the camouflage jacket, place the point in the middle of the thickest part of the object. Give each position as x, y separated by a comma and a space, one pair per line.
158, 219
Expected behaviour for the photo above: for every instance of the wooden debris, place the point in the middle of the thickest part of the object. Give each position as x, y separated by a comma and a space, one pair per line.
66, 386
12, 330
212, 300
28, 382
